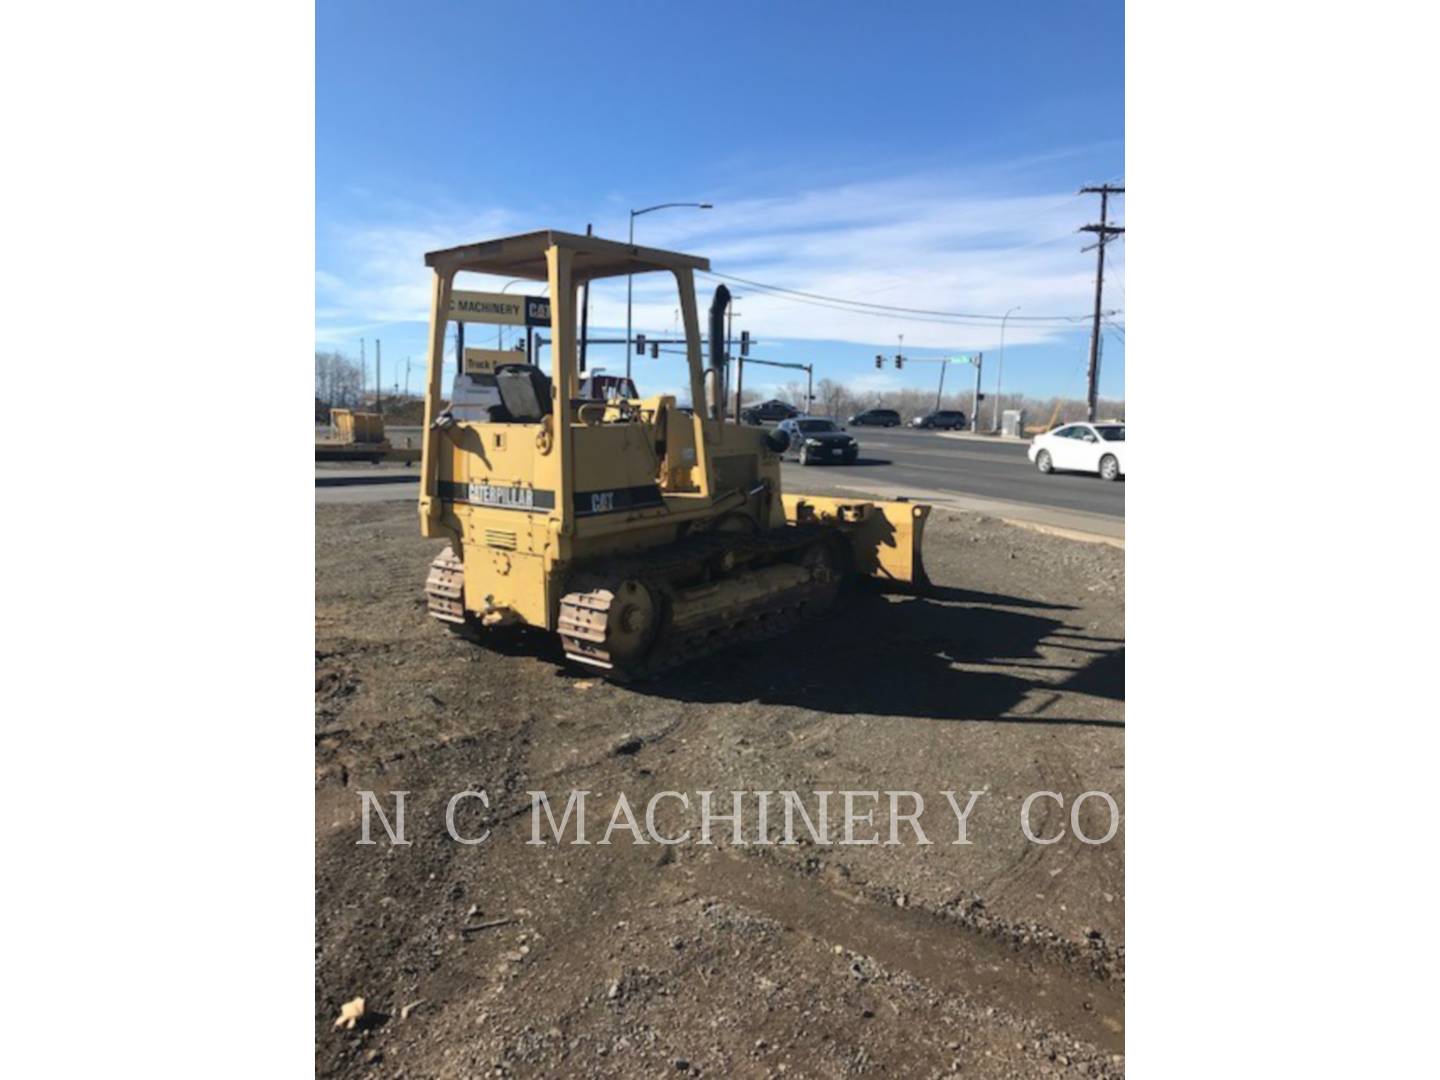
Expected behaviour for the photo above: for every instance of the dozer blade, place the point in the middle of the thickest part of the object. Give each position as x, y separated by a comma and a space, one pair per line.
884, 537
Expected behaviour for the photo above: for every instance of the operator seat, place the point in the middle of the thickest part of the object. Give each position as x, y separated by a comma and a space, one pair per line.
524, 393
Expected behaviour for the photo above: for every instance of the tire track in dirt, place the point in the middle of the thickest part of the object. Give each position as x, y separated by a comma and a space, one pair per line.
949, 957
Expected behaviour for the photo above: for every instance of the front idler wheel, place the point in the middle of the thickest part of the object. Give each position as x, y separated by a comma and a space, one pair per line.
634, 621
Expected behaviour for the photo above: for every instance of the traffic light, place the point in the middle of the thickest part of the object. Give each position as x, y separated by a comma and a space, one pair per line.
899, 361
639, 344
744, 342
879, 361
655, 350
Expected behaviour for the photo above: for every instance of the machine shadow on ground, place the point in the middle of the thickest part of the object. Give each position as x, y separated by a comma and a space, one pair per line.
896, 655
901, 662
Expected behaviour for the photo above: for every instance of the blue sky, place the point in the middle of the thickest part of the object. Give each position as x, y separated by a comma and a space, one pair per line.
920, 155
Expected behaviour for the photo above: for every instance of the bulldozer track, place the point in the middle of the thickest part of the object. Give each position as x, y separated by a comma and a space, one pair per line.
585, 612
445, 588
755, 624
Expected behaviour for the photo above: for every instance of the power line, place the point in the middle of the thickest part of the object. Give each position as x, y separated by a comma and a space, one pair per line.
1012, 226
889, 315
888, 308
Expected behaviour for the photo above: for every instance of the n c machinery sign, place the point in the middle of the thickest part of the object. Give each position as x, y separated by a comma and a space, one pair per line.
499, 308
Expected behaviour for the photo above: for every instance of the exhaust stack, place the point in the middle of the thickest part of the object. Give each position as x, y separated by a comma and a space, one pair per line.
715, 378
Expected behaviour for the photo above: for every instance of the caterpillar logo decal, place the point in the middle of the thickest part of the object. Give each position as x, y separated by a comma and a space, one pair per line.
539, 500
498, 496
589, 503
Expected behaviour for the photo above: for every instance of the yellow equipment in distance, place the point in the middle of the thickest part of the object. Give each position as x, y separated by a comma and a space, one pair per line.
644, 533
357, 436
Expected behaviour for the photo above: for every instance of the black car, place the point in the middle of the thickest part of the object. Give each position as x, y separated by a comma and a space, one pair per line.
943, 419
769, 410
876, 418
814, 438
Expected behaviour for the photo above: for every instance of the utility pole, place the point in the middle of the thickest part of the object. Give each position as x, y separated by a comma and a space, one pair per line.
360, 403
1103, 232
979, 361
378, 383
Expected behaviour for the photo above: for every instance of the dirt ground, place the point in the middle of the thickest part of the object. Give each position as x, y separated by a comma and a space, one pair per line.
1000, 957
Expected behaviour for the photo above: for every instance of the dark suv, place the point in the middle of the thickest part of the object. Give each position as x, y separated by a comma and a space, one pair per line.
768, 410
876, 418
944, 419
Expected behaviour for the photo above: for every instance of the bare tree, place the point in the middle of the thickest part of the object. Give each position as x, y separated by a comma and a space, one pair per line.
834, 398
793, 392
338, 381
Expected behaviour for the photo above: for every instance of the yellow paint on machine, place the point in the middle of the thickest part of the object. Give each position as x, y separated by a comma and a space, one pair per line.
644, 534
885, 537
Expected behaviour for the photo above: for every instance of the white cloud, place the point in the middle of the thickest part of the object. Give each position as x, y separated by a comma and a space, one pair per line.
918, 243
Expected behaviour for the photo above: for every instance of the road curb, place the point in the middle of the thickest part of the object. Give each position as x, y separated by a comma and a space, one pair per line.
1067, 534
357, 481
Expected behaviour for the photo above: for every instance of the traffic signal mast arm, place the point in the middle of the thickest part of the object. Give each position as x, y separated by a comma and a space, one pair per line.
977, 359
742, 360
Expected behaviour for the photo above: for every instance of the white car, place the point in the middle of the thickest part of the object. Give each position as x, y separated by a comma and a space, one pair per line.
1092, 448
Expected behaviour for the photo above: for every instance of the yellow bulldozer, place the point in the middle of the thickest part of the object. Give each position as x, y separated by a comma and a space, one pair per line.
643, 532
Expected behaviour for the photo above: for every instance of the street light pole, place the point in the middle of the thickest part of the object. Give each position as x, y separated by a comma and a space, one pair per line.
630, 278
1000, 375
629, 297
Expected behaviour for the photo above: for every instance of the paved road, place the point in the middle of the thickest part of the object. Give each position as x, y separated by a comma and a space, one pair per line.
979, 468
980, 474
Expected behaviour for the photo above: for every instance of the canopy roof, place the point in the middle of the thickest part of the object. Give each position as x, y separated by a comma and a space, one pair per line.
523, 256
